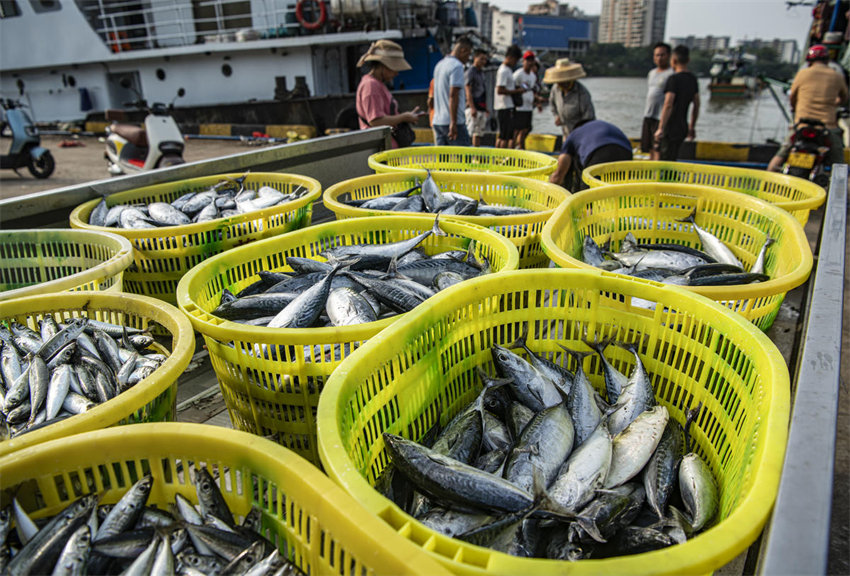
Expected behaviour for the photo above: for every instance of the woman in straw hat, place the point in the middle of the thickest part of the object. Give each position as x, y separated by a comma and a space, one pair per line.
375, 105
570, 101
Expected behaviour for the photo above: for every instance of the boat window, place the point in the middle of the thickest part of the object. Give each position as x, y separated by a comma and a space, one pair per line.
9, 8
40, 6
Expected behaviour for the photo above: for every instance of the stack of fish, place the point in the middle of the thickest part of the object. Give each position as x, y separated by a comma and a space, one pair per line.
132, 538
432, 199
357, 284
678, 264
67, 369
539, 465
225, 199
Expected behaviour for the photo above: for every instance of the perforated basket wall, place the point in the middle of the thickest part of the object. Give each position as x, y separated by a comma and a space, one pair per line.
163, 255
504, 161
795, 195
422, 370
42, 261
522, 230
271, 378
650, 211
313, 522
151, 400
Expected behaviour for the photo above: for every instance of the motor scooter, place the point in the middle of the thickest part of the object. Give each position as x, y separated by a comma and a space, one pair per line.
810, 143
26, 149
131, 149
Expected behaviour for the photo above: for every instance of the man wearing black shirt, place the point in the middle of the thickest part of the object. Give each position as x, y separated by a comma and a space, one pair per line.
681, 89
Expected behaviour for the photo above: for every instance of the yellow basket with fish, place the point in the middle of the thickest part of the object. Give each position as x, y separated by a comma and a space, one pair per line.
504, 161
162, 255
314, 523
523, 230
41, 261
651, 212
271, 378
422, 371
152, 399
790, 193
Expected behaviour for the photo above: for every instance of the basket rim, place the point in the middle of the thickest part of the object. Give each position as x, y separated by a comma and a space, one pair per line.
782, 284
80, 215
816, 195
326, 498
703, 553
546, 162
108, 413
330, 195
117, 263
209, 325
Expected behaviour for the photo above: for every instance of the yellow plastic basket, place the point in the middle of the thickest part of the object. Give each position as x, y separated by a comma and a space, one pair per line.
42, 261
151, 400
790, 193
522, 229
278, 396
423, 369
163, 255
312, 521
650, 211
504, 161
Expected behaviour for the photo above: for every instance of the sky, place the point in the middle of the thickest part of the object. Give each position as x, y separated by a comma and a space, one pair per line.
739, 19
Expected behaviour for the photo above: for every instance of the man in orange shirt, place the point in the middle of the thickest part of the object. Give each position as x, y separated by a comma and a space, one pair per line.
816, 93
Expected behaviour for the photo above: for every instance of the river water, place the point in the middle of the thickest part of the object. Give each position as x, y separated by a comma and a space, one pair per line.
621, 101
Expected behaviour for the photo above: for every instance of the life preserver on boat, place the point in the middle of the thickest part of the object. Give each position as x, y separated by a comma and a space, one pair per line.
323, 14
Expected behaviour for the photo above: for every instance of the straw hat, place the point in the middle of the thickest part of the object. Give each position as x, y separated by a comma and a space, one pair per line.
387, 53
563, 71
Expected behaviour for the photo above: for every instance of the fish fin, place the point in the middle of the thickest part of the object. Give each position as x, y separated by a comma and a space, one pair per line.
689, 218
692, 415
606, 246
589, 526
599, 346
629, 243
521, 341
436, 230
577, 355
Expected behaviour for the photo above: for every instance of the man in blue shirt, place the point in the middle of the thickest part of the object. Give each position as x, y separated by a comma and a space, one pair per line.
591, 142
449, 123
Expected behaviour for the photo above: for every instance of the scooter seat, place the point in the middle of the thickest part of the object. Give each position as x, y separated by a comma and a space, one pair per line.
135, 135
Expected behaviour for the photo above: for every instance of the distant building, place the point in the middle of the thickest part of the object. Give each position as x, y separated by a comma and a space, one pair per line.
484, 13
556, 35
786, 50
505, 29
632, 23
708, 43
554, 8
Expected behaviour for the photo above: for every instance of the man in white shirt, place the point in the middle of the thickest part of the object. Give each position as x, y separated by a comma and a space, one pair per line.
526, 79
503, 102
656, 79
449, 123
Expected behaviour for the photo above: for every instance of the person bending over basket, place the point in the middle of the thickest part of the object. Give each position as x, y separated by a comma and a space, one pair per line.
591, 142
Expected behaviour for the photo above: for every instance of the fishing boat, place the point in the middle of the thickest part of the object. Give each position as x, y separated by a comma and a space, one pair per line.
733, 76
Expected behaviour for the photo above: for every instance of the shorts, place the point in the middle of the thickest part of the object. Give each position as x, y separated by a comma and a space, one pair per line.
506, 123
669, 148
522, 120
647, 135
476, 125
441, 136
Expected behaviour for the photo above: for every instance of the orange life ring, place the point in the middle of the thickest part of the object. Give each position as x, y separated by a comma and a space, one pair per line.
323, 14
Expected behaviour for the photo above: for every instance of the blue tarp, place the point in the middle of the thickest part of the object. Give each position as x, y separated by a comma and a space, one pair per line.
549, 32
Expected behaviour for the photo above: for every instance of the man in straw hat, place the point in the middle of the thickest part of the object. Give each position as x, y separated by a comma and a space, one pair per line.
375, 105
571, 101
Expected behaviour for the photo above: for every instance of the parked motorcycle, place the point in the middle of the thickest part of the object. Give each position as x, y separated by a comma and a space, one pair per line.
131, 149
810, 145
26, 149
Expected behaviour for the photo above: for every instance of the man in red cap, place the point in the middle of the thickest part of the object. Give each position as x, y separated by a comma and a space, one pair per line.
524, 78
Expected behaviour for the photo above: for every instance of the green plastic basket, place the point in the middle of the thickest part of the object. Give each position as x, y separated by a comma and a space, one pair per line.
505, 161
278, 395
163, 255
44, 260
422, 370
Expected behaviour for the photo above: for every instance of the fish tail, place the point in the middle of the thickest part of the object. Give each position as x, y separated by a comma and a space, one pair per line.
689, 218
521, 341
436, 230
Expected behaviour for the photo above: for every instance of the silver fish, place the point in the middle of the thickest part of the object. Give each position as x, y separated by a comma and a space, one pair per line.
758, 265
634, 446
699, 490
127, 511
346, 307
584, 471
167, 215
712, 245
75, 554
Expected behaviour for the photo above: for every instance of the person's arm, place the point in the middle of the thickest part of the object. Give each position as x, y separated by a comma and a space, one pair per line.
564, 161
792, 95
588, 112
454, 103
666, 111
396, 119
469, 103
692, 129
553, 106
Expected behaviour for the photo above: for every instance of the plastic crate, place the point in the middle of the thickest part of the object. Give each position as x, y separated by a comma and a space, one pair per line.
505, 161
650, 212
42, 261
790, 193
313, 522
163, 255
151, 400
423, 369
523, 230
278, 396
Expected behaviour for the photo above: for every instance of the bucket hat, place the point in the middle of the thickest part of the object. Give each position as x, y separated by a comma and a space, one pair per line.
387, 53
563, 71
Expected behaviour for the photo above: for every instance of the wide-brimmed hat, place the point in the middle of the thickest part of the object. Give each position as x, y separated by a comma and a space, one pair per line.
563, 71
387, 53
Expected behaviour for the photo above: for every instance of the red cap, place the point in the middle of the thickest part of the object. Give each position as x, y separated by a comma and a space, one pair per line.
528, 54
817, 52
